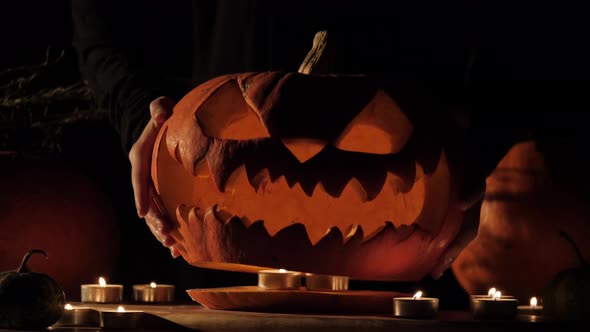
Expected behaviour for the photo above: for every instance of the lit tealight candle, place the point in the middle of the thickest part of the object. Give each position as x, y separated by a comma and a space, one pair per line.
153, 293
75, 316
279, 279
415, 306
102, 292
120, 318
532, 309
495, 307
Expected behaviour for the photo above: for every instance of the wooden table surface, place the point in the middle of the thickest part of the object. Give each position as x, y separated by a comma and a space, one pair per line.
198, 318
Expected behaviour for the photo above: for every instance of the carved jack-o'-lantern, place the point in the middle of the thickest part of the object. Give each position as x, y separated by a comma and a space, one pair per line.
314, 173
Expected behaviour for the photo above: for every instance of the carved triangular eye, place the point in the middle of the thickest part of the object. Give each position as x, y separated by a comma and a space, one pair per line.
303, 148
380, 128
226, 115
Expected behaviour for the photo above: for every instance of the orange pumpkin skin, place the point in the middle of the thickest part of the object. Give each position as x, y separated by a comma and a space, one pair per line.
50, 205
518, 248
313, 173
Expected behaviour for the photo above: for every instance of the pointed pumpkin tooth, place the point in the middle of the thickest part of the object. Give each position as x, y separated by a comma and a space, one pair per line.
193, 217
278, 186
371, 232
427, 153
352, 232
182, 212
291, 179
199, 213
373, 183
222, 161
194, 237
183, 222
238, 182
354, 192
274, 174
396, 185
405, 172
334, 184
331, 241
214, 234
221, 215
308, 186
253, 168
418, 172
260, 180
281, 182
315, 234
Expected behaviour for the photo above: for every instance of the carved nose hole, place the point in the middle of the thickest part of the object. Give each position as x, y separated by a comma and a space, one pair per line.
304, 148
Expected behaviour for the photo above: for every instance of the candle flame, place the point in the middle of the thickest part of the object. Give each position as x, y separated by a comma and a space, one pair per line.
102, 282
533, 302
491, 292
120, 309
497, 295
282, 270
152, 284
68, 307
417, 296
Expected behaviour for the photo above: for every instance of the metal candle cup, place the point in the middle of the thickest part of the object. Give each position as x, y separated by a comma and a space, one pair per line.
101, 293
279, 279
153, 293
120, 319
415, 307
476, 297
529, 310
325, 282
82, 317
494, 308
532, 309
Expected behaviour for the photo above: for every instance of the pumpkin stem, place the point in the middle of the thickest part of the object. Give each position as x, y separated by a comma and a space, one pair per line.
23, 266
320, 58
574, 246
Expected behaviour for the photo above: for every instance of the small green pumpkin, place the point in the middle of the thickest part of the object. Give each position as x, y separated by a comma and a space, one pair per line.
568, 294
29, 300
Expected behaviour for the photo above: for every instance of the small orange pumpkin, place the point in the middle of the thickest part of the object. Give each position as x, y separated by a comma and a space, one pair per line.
314, 173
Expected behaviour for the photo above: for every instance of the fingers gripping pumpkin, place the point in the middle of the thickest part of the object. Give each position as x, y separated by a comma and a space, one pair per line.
314, 173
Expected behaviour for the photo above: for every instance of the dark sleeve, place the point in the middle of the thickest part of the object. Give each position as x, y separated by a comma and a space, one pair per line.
104, 37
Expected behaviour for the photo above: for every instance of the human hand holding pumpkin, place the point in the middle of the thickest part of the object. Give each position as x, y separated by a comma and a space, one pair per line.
140, 157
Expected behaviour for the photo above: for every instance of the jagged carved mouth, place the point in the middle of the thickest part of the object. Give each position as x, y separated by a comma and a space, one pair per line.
334, 169
335, 190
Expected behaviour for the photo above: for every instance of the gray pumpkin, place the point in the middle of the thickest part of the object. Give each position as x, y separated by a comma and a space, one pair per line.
29, 300
568, 294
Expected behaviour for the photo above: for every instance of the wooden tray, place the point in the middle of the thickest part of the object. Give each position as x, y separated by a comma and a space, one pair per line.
253, 298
